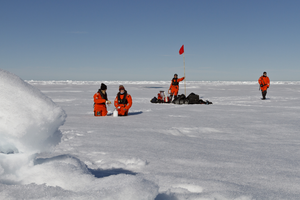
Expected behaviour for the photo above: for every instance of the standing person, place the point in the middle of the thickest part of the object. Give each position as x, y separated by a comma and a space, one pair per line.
100, 101
264, 83
174, 87
123, 101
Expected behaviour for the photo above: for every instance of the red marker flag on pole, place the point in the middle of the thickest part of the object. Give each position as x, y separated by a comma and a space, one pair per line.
181, 50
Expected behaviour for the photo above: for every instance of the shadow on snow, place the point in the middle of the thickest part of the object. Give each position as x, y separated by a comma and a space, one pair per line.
135, 113
101, 173
130, 113
164, 196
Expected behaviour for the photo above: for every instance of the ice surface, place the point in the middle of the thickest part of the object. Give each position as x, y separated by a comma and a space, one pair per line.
240, 147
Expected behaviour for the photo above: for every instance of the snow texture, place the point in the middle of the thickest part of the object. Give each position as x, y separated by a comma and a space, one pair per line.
240, 147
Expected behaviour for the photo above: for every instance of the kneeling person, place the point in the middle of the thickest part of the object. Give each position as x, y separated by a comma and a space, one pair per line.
123, 101
100, 101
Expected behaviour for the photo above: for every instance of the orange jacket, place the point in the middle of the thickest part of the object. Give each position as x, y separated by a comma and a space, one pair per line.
176, 82
99, 101
126, 106
264, 83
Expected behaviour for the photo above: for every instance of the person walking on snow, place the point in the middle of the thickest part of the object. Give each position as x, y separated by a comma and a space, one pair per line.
123, 101
100, 101
174, 87
264, 83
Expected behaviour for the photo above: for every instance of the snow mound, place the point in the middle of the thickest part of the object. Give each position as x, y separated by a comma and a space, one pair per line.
29, 120
71, 179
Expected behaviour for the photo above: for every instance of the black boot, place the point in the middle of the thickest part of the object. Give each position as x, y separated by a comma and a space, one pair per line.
264, 93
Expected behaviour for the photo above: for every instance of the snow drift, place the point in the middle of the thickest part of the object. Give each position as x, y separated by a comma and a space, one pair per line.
29, 120
29, 123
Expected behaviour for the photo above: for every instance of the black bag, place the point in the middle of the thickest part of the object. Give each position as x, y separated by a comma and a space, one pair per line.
193, 98
180, 100
154, 100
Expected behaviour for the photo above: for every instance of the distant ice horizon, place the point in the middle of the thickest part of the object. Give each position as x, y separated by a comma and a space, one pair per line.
76, 82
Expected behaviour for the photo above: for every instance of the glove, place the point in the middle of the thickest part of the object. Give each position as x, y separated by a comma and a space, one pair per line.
261, 85
108, 102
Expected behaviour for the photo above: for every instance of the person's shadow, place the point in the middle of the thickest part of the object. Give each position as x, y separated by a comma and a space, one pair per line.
135, 113
130, 113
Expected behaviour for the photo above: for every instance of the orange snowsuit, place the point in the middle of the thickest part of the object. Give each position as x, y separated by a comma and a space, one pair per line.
174, 87
99, 106
264, 83
123, 102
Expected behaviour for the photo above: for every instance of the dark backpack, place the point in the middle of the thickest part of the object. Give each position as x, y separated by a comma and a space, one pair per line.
193, 98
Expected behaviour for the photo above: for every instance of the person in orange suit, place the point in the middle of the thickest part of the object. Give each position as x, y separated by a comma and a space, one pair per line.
100, 101
174, 87
123, 101
264, 83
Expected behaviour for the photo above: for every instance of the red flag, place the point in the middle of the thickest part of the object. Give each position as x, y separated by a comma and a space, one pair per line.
181, 50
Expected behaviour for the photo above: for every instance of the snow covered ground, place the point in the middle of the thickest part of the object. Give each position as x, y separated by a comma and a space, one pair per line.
240, 147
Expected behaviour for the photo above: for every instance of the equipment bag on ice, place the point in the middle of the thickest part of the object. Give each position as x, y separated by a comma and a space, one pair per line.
181, 100
193, 98
154, 100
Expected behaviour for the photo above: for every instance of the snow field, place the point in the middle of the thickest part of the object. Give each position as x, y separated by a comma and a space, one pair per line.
238, 148
227, 140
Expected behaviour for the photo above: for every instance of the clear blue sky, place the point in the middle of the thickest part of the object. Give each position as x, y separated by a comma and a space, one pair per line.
140, 40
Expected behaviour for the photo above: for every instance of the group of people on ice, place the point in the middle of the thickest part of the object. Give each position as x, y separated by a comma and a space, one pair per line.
123, 100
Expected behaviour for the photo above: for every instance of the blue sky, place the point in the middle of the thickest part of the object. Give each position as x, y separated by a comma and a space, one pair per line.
140, 40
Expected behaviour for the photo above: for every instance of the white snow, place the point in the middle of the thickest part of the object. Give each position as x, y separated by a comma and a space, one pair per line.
240, 147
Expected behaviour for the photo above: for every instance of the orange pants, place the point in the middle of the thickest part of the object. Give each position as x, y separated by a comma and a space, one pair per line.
100, 111
122, 112
174, 90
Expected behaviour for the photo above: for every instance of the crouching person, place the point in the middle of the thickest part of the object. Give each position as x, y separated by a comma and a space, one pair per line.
123, 101
100, 101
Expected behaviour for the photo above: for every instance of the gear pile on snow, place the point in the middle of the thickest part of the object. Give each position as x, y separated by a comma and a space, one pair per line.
182, 99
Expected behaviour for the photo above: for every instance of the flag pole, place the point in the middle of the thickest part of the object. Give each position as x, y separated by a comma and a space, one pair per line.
184, 75
181, 51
